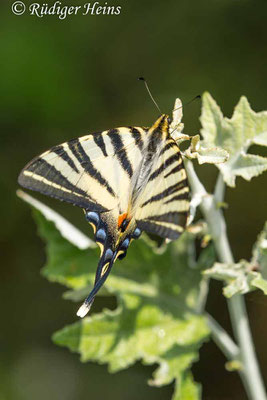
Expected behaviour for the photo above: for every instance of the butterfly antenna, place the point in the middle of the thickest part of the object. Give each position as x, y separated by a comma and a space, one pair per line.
190, 101
150, 94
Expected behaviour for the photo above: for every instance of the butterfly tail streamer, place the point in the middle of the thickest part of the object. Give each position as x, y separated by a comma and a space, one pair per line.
103, 269
105, 265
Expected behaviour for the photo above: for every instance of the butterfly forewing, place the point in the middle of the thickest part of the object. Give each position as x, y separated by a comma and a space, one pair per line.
89, 171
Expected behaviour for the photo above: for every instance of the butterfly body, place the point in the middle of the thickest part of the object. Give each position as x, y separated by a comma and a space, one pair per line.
126, 179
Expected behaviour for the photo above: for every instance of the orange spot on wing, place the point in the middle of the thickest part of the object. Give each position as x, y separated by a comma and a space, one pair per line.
121, 218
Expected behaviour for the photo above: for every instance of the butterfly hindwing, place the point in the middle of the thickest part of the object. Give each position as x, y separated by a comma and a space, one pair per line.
105, 237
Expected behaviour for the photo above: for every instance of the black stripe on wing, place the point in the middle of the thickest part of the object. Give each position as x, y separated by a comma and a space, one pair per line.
61, 152
174, 170
99, 141
45, 170
41, 176
170, 144
159, 229
178, 197
167, 192
120, 152
175, 217
137, 137
81, 156
172, 159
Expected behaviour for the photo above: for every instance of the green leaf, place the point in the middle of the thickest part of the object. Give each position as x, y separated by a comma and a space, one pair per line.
259, 283
261, 139
259, 252
244, 276
66, 263
246, 165
236, 276
136, 330
186, 388
156, 319
239, 277
205, 153
67, 230
259, 260
176, 125
235, 135
208, 155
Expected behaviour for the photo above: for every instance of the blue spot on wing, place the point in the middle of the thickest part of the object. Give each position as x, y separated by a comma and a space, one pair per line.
137, 233
108, 255
125, 244
101, 234
92, 217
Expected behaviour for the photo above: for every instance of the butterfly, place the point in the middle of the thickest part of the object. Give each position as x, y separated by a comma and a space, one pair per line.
127, 180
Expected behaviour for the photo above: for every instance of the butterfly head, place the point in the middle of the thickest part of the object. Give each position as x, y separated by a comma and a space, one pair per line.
162, 124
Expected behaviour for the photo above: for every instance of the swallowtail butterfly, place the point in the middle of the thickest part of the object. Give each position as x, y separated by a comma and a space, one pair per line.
127, 180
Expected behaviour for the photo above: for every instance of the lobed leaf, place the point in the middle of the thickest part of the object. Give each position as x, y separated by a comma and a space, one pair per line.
259, 252
235, 135
197, 149
208, 155
186, 388
156, 319
244, 276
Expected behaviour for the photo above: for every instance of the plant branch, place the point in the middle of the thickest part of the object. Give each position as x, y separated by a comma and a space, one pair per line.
223, 340
250, 373
219, 189
203, 295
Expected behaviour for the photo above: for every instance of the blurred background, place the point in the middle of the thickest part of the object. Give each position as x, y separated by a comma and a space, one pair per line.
63, 78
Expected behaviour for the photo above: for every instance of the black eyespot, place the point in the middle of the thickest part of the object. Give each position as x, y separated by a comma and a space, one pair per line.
137, 233
169, 120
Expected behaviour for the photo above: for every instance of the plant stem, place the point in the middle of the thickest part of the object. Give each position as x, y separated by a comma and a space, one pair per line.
223, 340
219, 189
250, 373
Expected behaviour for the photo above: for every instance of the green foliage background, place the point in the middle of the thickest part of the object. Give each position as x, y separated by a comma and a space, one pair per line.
61, 79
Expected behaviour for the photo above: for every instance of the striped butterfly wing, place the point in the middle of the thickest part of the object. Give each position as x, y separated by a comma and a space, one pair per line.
93, 172
89, 171
164, 204
105, 174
